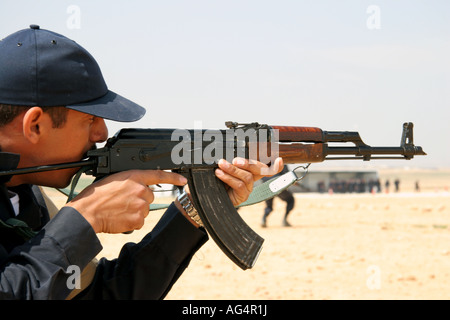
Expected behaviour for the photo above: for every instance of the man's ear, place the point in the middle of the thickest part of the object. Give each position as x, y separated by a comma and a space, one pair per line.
35, 124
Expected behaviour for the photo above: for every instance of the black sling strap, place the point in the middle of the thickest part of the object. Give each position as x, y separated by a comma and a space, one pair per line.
19, 227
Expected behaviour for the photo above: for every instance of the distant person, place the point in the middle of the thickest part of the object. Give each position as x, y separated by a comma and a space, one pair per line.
286, 196
386, 186
417, 187
378, 184
397, 185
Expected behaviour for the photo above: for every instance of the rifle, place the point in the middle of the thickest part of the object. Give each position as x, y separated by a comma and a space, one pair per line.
195, 154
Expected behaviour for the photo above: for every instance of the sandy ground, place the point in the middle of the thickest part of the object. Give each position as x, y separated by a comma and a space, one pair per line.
350, 246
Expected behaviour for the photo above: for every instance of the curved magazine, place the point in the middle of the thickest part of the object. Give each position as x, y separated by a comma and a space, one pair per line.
223, 223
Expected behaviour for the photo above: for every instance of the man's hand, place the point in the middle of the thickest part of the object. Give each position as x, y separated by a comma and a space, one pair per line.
242, 173
120, 202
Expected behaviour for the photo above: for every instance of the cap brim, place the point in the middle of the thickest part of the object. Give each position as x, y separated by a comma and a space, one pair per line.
112, 107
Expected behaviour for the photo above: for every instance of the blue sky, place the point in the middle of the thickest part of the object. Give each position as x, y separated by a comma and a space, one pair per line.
323, 63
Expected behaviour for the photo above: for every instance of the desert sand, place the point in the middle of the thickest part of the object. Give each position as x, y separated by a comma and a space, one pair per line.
341, 246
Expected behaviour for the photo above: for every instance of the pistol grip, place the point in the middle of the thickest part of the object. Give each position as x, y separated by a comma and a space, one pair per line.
223, 223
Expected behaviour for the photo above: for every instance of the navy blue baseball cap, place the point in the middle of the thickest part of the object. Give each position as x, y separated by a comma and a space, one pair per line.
43, 68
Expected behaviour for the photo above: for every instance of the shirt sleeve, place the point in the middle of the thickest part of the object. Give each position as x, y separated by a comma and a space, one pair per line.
148, 269
39, 269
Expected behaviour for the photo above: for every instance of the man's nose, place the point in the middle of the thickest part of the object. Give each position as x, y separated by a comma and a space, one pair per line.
99, 131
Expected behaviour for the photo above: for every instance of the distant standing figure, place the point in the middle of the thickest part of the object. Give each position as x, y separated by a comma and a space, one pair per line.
286, 196
397, 185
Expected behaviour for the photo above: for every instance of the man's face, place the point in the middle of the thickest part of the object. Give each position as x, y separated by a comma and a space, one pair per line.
69, 143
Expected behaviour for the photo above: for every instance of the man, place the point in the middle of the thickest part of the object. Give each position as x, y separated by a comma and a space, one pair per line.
53, 102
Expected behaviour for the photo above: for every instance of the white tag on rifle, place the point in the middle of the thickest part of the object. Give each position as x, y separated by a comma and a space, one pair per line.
283, 181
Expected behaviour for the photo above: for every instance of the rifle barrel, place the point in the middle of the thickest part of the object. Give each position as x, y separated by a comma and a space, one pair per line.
407, 151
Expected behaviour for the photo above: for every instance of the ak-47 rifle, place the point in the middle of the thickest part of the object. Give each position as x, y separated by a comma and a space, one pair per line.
195, 154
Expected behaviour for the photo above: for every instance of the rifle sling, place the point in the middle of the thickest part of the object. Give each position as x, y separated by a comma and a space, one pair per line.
19, 227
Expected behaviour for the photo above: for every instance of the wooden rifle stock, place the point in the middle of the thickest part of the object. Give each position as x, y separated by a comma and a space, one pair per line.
300, 144
299, 134
302, 152
294, 144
